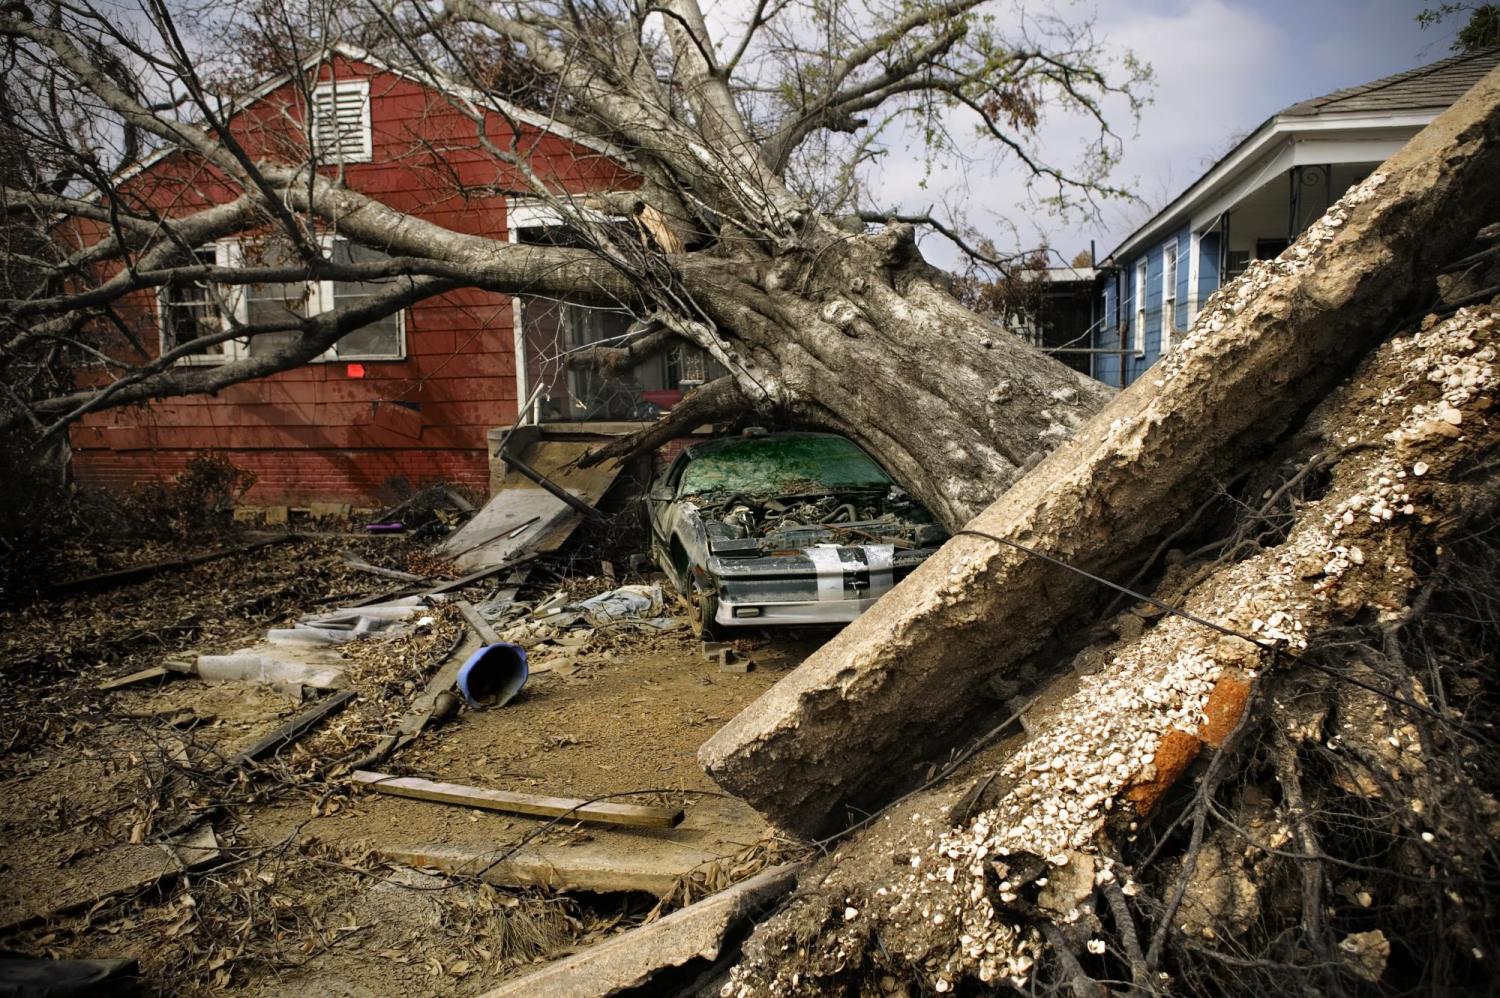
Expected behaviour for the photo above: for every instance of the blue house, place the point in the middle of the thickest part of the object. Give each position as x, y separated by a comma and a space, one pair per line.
1254, 201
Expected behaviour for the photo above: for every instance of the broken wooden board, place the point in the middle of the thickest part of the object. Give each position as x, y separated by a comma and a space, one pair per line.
478, 624
602, 812
631, 959
103, 875
144, 676
651, 866
715, 832
510, 523
358, 564
523, 516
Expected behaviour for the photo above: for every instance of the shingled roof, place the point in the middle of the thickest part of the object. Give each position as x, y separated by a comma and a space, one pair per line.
1407, 100
1434, 86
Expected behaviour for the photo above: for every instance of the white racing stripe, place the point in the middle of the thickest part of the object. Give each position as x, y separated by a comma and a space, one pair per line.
830, 571
879, 558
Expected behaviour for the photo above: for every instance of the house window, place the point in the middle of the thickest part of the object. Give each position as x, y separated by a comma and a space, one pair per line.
381, 338
273, 303
189, 311
341, 121
1138, 329
1236, 263
1168, 294
186, 312
553, 329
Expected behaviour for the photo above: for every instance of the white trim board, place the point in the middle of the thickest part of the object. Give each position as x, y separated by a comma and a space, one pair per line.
1195, 254
1264, 143
1294, 153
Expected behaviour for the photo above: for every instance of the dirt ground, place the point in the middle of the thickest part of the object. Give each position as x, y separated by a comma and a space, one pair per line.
298, 891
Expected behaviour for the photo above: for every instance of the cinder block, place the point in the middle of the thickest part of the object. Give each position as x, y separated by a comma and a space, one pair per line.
711, 649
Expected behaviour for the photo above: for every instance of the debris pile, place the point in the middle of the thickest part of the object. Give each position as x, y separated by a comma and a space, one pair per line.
292, 763
1254, 753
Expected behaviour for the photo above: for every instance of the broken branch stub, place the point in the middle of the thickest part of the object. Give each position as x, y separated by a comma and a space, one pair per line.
907, 678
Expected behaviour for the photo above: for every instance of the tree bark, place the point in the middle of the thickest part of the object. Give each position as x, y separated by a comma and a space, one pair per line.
1398, 803
906, 680
859, 335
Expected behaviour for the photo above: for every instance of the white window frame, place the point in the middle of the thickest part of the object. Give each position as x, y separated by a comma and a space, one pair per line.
323, 297
524, 212
332, 90
225, 255
1168, 294
1138, 329
320, 299
1195, 263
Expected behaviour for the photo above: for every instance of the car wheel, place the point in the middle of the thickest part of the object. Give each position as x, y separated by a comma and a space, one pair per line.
702, 609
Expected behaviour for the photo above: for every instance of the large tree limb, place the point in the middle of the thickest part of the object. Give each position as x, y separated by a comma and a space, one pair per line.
160, 379
627, 354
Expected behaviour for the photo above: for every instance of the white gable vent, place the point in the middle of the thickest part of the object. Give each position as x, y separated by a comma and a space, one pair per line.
341, 121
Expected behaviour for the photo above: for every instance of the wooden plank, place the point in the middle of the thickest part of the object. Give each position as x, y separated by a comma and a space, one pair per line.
291, 730
648, 866
358, 564
479, 624
552, 487
602, 812
145, 675
633, 958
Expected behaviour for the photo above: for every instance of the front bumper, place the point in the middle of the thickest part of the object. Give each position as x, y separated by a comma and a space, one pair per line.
827, 584
815, 612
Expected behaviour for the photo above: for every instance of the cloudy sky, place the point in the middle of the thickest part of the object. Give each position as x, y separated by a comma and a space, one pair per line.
1222, 67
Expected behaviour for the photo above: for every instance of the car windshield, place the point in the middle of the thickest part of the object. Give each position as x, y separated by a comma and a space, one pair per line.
774, 466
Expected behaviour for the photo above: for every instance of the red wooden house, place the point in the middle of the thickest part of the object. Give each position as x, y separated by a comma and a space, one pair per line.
411, 396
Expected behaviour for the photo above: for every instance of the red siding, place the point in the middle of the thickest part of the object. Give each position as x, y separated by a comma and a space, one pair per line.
318, 433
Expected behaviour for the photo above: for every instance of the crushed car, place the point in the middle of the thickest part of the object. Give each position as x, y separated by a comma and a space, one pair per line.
784, 528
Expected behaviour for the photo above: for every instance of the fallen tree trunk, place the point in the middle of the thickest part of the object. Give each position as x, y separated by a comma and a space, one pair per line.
1291, 790
906, 680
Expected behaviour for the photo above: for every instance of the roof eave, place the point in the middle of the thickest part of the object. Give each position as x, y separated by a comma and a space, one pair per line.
1251, 149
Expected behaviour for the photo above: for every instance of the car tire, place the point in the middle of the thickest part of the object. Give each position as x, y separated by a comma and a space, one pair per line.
702, 609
